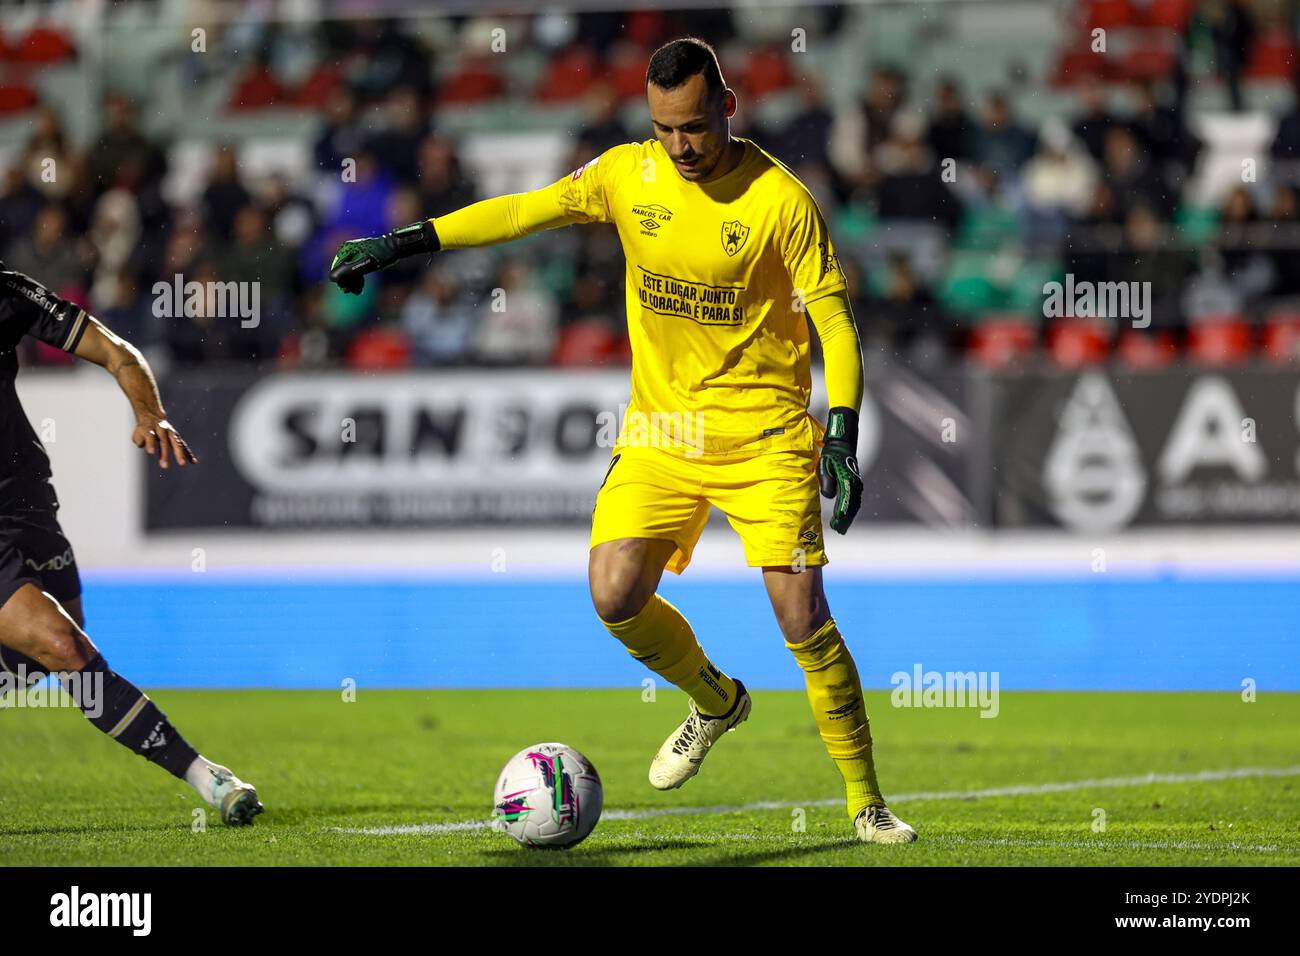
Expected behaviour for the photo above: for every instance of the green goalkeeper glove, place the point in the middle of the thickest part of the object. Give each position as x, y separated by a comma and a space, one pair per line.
838, 469
357, 258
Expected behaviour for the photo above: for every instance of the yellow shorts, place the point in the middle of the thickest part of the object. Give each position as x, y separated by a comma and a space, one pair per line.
771, 500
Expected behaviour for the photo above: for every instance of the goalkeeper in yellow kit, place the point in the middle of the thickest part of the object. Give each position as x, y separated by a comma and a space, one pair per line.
728, 257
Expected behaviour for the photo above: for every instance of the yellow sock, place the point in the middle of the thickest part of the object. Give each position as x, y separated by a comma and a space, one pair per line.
836, 697
661, 639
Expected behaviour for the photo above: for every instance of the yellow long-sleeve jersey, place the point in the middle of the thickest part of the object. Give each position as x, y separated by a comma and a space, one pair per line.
721, 279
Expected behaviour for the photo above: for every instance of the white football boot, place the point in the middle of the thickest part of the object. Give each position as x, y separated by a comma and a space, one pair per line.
680, 757
236, 800
878, 824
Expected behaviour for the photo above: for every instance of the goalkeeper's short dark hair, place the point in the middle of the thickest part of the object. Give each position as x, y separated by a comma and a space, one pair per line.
678, 60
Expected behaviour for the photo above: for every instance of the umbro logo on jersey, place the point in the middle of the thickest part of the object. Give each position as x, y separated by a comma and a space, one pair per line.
653, 216
809, 536
734, 234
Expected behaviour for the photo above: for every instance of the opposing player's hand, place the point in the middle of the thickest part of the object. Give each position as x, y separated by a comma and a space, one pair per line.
837, 471
357, 258
157, 436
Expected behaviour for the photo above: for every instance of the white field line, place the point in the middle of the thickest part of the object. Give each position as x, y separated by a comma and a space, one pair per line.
1023, 790
1098, 843
1101, 843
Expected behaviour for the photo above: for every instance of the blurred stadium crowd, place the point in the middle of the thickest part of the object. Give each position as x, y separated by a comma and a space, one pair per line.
950, 208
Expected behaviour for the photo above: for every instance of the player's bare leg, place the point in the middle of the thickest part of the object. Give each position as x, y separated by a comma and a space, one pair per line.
835, 693
624, 576
42, 636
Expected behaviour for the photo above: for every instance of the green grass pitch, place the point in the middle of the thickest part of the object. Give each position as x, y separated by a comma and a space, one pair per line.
1025, 788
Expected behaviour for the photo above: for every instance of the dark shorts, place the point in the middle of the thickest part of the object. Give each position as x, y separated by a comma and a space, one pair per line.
33, 550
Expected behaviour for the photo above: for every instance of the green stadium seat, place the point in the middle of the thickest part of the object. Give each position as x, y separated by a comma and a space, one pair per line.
967, 286
1026, 291
1196, 224
987, 227
854, 224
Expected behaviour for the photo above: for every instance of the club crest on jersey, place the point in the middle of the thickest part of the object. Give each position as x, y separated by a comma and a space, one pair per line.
734, 234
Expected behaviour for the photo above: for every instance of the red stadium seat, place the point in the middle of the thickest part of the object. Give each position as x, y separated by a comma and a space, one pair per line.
16, 98
315, 91
43, 45
1078, 343
288, 354
1219, 340
623, 351
1153, 59
766, 71
585, 343
475, 81
384, 348
999, 340
1169, 14
568, 76
645, 27
257, 90
1146, 350
1110, 14
1281, 341
1272, 57
626, 72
